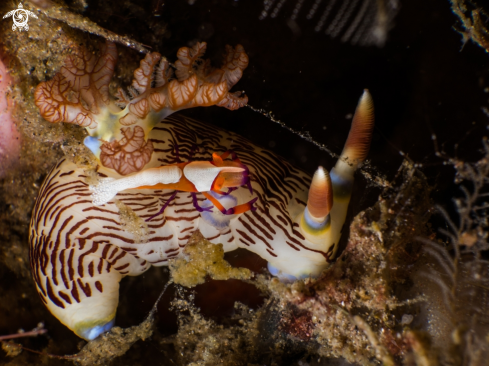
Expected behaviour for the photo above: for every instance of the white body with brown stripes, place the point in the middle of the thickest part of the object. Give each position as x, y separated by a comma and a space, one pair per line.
80, 251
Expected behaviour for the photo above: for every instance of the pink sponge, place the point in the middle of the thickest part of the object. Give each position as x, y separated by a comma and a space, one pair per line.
9, 135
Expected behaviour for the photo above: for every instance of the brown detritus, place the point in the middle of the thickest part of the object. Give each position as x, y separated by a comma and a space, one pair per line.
420, 353
354, 304
91, 176
79, 154
63, 14
113, 344
297, 323
201, 341
381, 352
204, 259
474, 20
11, 349
132, 223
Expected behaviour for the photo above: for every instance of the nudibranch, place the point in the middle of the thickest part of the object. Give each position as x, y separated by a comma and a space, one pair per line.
81, 247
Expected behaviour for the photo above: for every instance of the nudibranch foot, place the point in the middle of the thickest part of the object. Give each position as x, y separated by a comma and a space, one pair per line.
282, 276
90, 332
119, 129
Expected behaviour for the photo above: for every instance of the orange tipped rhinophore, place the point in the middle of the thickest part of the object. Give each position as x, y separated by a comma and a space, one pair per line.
358, 142
320, 200
118, 130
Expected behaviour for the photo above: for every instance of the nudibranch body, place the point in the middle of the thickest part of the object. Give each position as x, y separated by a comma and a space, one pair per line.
80, 249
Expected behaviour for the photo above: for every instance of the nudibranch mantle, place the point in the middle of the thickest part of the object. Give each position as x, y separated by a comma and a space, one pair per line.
80, 248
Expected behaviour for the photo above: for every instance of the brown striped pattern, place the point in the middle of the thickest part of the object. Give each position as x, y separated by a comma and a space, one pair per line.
78, 249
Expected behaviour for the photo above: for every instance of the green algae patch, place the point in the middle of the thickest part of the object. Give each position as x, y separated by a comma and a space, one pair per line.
204, 258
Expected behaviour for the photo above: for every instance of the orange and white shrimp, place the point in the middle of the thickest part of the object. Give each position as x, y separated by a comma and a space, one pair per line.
194, 176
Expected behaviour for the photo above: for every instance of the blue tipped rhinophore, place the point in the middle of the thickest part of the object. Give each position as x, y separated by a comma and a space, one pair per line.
92, 333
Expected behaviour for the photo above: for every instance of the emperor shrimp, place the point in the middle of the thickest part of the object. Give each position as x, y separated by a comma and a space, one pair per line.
195, 176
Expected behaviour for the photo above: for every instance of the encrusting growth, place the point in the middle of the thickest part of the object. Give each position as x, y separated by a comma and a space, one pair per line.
79, 94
